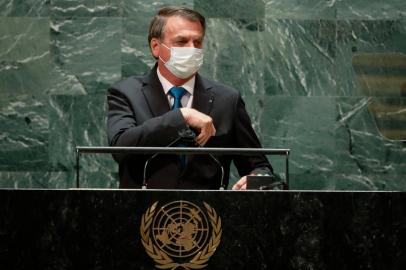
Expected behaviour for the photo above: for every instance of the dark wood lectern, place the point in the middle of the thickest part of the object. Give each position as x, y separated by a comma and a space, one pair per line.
128, 229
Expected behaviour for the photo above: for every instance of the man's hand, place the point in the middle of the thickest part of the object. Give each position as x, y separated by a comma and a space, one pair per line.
200, 121
241, 184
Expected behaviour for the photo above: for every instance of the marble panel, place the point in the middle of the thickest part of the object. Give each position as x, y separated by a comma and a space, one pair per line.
132, 8
24, 131
61, 144
135, 53
25, 62
62, 82
348, 181
289, 122
24, 8
81, 121
372, 35
371, 54
300, 57
36, 179
98, 178
299, 9
381, 74
233, 55
90, 114
88, 8
319, 61
23, 37
241, 10
20, 78
359, 139
88, 49
370, 9
334, 142
24, 58
390, 117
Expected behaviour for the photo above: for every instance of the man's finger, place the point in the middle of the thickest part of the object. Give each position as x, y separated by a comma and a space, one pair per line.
205, 134
237, 185
202, 139
213, 130
241, 184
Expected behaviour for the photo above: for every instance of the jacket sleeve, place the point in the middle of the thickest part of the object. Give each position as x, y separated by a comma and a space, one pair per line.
123, 129
245, 137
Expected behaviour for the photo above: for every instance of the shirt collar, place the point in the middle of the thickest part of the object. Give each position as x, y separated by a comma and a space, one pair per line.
166, 85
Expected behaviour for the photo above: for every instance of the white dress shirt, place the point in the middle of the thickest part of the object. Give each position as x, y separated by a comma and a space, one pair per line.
187, 99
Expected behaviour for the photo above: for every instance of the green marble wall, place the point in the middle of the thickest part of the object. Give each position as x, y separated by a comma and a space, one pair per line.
326, 78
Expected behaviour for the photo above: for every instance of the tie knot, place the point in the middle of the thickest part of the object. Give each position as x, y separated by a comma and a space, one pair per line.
177, 92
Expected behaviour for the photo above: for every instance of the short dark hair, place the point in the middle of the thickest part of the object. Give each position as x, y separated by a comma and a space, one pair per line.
157, 25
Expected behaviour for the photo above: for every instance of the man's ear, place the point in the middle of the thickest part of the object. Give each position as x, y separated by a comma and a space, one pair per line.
154, 46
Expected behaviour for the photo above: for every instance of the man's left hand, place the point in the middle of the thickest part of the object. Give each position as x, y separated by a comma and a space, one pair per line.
241, 184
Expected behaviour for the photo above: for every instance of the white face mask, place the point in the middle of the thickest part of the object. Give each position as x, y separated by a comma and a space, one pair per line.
184, 61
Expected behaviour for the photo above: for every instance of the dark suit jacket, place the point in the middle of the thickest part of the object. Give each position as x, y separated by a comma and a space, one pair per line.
139, 115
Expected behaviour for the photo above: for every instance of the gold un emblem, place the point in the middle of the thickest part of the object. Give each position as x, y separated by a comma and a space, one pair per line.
179, 234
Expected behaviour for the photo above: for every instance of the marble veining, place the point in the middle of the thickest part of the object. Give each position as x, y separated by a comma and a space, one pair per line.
325, 78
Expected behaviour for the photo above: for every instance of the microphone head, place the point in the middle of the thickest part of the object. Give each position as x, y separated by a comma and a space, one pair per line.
187, 136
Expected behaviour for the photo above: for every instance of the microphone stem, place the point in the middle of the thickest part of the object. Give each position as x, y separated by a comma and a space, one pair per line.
222, 171
144, 182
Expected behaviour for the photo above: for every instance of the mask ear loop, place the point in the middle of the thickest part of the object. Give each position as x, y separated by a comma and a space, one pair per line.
159, 56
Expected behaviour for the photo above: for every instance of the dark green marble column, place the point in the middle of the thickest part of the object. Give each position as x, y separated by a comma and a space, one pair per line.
325, 78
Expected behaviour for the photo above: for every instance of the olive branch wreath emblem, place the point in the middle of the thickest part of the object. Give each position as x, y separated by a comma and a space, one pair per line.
162, 260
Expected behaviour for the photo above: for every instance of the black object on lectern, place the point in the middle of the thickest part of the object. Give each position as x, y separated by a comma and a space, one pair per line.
265, 182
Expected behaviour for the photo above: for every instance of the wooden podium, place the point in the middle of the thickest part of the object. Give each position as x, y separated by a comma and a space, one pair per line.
147, 229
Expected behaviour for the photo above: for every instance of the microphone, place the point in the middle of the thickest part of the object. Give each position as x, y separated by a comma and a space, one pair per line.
144, 181
222, 171
188, 137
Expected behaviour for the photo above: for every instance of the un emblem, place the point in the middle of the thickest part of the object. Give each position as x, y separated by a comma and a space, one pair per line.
179, 234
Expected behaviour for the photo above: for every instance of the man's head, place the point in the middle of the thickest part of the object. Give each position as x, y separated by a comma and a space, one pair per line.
157, 27
176, 39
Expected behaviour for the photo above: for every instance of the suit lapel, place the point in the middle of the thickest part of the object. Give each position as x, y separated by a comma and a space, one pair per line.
203, 97
154, 93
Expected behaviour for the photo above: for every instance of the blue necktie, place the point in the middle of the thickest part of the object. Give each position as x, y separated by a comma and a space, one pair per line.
177, 93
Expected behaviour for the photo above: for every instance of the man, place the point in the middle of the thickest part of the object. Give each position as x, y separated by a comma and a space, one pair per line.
153, 109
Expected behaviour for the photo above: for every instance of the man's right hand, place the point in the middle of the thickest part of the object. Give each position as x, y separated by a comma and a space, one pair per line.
201, 122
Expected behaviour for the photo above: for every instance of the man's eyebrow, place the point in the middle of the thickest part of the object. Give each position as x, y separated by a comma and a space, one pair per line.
179, 37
